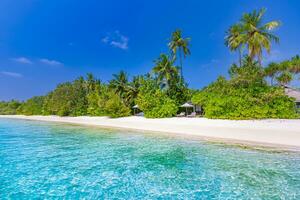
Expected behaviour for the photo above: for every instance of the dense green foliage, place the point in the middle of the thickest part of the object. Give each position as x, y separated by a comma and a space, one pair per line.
245, 96
284, 72
9, 108
154, 102
33, 106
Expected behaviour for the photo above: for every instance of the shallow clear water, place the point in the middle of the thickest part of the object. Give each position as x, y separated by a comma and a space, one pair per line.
48, 160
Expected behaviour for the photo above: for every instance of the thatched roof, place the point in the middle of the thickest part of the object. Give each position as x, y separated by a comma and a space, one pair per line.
292, 92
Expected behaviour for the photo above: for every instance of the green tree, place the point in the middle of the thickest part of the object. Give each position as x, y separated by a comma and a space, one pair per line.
252, 32
33, 106
68, 99
284, 78
114, 106
156, 104
246, 95
258, 35
235, 40
165, 71
272, 71
295, 64
119, 83
179, 45
133, 90
10, 107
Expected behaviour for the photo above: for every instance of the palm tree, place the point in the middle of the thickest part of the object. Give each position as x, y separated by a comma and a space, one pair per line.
179, 45
119, 83
133, 90
91, 82
272, 70
295, 64
284, 78
165, 70
235, 39
257, 34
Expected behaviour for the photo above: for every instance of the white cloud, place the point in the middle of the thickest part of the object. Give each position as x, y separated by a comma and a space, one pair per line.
116, 39
50, 62
11, 74
22, 60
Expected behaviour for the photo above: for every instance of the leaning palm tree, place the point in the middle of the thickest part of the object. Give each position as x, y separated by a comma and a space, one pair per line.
165, 71
235, 39
272, 70
295, 64
258, 35
284, 78
119, 83
179, 45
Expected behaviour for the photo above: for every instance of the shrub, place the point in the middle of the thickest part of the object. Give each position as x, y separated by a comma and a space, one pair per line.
157, 104
114, 107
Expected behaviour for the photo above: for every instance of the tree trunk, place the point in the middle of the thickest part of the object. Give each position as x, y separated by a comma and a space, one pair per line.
240, 56
272, 80
180, 58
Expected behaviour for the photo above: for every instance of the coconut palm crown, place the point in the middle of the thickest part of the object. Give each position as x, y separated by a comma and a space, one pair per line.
253, 33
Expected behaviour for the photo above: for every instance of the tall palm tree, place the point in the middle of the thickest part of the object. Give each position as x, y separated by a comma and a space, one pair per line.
179, 45
235, 39
119, 83
165, 70
257, 34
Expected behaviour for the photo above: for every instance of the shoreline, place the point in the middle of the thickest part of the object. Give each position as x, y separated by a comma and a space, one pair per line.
271, 133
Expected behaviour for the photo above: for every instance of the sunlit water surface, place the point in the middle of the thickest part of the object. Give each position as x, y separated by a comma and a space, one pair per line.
53, 161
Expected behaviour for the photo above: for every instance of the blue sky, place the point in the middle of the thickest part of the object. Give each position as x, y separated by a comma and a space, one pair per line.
45, 42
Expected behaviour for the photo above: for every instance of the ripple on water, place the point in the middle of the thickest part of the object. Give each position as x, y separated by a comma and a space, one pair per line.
48, 160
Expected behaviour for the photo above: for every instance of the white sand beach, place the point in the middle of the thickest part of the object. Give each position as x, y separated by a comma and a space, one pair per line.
272, 132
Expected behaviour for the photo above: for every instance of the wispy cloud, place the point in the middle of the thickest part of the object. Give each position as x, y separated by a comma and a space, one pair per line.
50, 62
116, 39
211, 63
274, 56
22, 60
11, 74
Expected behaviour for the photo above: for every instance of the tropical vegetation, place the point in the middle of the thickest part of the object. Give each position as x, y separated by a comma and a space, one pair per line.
250, 91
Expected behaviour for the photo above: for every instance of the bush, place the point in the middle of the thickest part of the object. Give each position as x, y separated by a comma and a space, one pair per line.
157, 104
114, 107
105, 102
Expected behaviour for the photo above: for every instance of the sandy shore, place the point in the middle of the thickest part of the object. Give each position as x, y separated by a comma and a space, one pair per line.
276, 133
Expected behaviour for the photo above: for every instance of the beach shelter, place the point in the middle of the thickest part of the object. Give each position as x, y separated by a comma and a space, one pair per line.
186, 106
134, 108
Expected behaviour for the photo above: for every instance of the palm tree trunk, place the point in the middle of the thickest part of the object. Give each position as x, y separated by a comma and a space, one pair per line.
272, 79
240, 56
260, 61
180, 58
